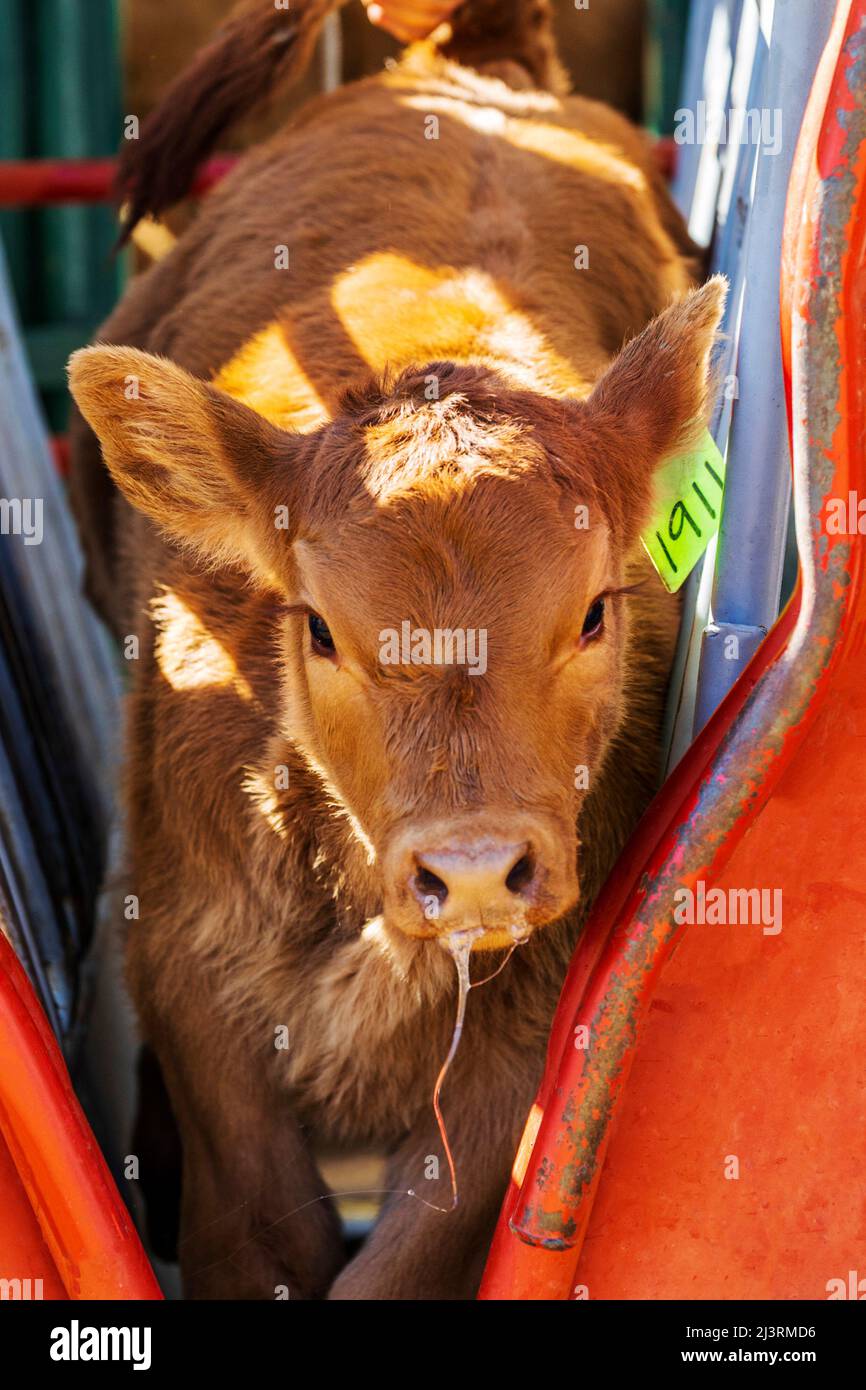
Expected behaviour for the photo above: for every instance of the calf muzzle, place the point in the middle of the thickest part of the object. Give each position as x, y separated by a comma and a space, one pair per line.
505, 876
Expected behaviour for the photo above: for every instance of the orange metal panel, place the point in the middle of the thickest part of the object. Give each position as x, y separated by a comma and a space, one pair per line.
754, 1050
736, 1157
84, 1225
24, 1256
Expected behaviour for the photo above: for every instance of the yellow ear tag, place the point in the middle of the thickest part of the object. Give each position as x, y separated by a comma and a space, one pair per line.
687, 511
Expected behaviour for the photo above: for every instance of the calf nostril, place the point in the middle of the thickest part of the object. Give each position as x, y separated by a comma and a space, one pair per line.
521, 874
430, 885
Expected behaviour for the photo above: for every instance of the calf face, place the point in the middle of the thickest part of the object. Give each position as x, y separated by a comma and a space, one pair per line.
450, 556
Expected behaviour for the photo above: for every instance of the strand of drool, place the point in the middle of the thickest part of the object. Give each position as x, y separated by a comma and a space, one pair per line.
460, 946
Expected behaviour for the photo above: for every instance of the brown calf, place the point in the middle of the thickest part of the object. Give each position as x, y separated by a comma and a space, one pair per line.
367, 401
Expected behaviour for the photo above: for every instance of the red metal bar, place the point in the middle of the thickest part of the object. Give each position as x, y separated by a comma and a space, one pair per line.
34, 182
666, 149
29, 182
717, 791
60, 453
86, 1228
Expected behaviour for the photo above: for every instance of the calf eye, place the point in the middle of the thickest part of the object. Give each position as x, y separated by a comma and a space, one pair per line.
323, 642
594, 621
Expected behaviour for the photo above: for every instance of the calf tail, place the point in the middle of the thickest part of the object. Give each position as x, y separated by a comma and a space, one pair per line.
261, 45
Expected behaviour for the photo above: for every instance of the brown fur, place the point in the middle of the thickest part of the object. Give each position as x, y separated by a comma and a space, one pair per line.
412, 262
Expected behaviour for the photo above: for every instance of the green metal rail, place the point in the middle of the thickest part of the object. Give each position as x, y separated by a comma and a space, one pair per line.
60, 76
666, 24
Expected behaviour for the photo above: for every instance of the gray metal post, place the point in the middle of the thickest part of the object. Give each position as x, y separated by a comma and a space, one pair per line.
751, 547
715, 63
707, 75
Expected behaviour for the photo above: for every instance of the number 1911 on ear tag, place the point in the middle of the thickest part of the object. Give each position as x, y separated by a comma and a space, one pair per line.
687, 510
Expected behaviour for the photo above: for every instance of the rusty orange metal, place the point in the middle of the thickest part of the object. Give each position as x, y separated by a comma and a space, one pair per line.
666, 1212
63, 1219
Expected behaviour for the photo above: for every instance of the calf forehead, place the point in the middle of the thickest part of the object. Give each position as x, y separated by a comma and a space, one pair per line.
492, 552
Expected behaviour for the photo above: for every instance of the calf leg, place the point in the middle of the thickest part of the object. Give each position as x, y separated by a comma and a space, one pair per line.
257, 1220
416, 1250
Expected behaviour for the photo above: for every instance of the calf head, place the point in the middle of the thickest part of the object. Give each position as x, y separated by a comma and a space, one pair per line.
450, 555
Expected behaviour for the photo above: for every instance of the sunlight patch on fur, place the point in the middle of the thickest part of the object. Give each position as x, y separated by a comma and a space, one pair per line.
339, 806
266, 375
463, 315
262, 793
188, 654
569, 147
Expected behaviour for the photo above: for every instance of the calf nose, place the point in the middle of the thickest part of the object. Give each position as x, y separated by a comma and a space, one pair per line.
485, 878
503, 873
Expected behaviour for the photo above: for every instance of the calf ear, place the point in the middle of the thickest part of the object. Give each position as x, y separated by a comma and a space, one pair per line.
653, 401
207, 470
